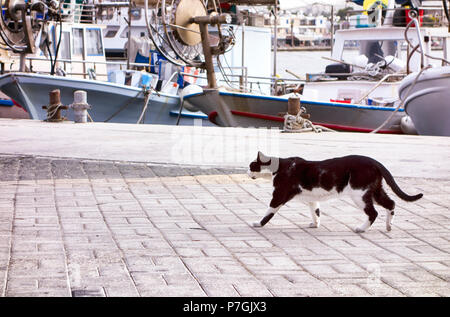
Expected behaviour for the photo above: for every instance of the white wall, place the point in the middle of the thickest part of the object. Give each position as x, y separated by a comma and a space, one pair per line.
257, 55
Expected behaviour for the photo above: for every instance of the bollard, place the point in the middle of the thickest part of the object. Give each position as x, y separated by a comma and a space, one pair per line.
293, 105
80, 106
296, 119
55, 107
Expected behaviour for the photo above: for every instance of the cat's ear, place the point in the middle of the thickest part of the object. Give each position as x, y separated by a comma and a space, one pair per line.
262, 157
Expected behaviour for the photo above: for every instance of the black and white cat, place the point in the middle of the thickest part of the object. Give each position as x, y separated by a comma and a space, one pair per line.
360, 177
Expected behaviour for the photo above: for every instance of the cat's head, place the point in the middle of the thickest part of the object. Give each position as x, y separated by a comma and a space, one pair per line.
261, 164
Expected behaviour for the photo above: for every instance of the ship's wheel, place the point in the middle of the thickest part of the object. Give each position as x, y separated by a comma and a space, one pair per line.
177, 37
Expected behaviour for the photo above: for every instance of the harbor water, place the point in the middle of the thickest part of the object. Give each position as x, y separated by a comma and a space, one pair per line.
301, 62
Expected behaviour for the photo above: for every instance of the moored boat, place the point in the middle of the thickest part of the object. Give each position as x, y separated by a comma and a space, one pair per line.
428, 100
252, 110
359, 92
70, 56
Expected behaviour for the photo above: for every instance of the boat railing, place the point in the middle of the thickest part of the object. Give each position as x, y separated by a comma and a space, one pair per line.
430, 16
93, 12
65, 62
169, 81
79, 13
243, 77
246, 85
91, 62
253, 82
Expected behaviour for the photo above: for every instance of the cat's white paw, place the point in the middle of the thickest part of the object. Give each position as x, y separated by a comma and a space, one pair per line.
314, 225
256, 224
359, 230
388, 227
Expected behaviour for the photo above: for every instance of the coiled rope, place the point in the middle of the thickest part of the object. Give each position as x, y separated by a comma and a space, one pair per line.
297, 123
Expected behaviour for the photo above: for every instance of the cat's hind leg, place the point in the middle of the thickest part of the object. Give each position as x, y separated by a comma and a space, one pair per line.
366, 203
389, 219
314, 207
383, 199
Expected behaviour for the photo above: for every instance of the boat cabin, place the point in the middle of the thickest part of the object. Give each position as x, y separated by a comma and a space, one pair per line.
369, 63
374, 44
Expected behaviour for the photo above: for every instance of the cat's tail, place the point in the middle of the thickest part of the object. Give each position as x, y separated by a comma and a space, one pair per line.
391, 182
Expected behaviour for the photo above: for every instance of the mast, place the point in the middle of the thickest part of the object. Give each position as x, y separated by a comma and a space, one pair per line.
275, 44
129, 35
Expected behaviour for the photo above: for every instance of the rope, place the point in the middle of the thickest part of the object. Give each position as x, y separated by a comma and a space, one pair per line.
144, 109
179, 112
124, 106
52, 110
89, 116
402, 100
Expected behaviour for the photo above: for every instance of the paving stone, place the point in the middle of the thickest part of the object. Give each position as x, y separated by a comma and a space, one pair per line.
73, 227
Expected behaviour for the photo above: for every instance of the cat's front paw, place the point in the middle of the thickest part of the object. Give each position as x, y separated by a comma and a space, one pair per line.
359, 230
388, 227
314, 225
257, 224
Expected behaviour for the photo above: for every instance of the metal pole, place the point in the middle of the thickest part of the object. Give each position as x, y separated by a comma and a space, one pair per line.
243, 54
22, 65
275, 45
210, 74
292, 33
129, 35
332, 29
203, 22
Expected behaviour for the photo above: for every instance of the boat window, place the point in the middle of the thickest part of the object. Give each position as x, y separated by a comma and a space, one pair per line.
65, 46
111, 31
94, 44
77, 49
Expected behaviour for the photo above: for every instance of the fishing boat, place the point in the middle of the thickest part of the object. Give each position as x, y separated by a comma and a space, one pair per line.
429, 103
357, 92
110, 102
426, 95
115, 94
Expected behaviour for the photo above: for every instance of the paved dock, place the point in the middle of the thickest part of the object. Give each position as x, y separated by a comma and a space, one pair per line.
139, 210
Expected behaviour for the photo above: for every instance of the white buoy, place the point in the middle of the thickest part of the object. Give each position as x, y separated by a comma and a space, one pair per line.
80, 106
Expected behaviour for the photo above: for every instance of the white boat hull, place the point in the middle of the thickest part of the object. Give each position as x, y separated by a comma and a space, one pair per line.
265, 111
31, 91
428, 101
